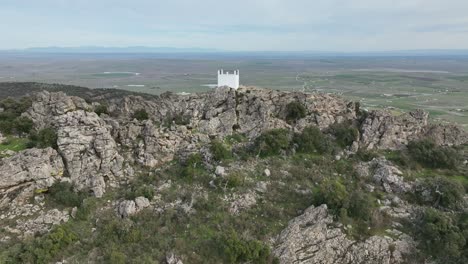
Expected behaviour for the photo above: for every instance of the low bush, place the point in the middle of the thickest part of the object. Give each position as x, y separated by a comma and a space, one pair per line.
238, 250
144, 190
45, 249
193, 166
440, 192
178, 119
101, 109
234, 180
220, 151
141, 115
345, 133
312, 140
295, 111
273, 142
428, 154
331, 192
44, 138
63, 194
440, 237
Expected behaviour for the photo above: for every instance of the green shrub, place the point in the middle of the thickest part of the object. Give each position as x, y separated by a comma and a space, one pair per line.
178, 119
219, 151
144, 190
331, 192
312, 140
193, 166
16, 107
440, 192
439, 236
234, 180
428, 154
360, 205
11, 120
345, 133
63, 194
365, 155
141, 115
6, 127
295, 111
101, 109
273, 142
117, 257
23, 125
236, 138
238, 250
44, 138
45, 249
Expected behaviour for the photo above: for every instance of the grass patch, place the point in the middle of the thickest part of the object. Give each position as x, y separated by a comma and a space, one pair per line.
14, 144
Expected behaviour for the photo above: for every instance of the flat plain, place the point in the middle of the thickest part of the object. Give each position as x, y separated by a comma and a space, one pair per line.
438, 84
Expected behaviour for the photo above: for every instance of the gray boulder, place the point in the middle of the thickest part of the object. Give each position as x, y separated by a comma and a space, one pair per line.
313, 237
26, 172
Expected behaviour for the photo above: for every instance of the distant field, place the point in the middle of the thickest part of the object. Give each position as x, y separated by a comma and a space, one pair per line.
436, 84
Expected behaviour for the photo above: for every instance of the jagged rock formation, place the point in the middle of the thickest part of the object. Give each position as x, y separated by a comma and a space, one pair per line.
447, 135
247, 110
384, 174
313, 237
88, 150
93, 148
382, 130
26, 172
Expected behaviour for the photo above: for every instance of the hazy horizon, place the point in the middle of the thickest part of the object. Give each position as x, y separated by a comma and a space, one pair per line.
243, 25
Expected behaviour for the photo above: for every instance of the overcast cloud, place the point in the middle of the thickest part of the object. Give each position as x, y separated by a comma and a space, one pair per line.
316, 25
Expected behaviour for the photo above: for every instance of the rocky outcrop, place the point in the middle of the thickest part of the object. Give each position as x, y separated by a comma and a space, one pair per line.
26, 172
313, 237
247, 110
46, 105
382, 130
384, 174
90, 153
41, 224
151, 145
446, 135
128, 208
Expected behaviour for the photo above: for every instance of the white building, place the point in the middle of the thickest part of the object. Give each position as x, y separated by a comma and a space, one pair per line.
228, 79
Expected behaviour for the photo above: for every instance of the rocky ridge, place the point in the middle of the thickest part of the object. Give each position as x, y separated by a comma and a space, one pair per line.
97, 152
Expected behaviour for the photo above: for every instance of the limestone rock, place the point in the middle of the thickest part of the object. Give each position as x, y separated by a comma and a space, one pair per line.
89, 151
385, 174
446, 135
126, 208
46, 105
220, 171
382, 130
141, 203
313, 237
26, 172
242, 202
43, 223
84, 141
173, 259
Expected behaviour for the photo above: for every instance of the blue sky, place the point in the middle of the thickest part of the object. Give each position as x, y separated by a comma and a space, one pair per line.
249, 25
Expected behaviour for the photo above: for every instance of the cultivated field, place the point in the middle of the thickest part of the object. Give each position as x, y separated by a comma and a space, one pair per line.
436, 84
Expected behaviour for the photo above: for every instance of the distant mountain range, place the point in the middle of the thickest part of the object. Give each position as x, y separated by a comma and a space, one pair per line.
172, 50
